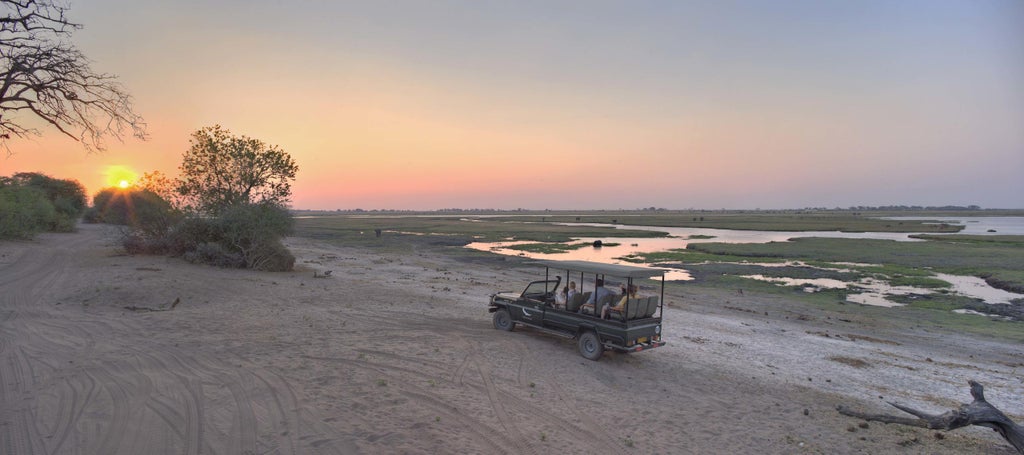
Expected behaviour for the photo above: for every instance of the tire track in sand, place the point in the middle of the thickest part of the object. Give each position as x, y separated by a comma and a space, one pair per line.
497, 404
497, 441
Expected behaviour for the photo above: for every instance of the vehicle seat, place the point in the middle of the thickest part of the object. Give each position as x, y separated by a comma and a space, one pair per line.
636, 307
607, 299
652, 306
574, 303
583, 306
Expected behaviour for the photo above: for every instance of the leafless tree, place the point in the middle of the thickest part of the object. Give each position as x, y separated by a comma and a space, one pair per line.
43, 75
979, 412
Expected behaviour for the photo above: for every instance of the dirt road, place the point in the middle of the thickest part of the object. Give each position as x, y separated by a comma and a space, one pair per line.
395, 353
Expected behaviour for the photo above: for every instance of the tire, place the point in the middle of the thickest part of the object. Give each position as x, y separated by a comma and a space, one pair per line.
590, 346
503, 321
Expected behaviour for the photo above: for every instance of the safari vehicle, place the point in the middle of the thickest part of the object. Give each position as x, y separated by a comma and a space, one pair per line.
637, 327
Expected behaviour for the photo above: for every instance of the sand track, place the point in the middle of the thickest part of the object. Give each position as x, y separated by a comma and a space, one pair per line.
76, 381
395, 353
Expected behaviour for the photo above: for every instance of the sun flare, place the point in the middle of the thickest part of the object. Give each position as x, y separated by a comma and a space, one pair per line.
120, 176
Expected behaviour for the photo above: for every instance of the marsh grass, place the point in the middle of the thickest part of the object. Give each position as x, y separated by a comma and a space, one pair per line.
917, 259
550, 248
933, 253
689, 256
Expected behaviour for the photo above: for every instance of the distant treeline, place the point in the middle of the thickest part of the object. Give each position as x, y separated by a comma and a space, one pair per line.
903, 208
859, 208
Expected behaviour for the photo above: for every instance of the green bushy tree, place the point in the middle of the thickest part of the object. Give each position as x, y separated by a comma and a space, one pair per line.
220, 170
24, 212
26, 195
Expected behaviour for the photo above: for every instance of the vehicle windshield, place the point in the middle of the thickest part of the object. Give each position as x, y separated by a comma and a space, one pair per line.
540, 289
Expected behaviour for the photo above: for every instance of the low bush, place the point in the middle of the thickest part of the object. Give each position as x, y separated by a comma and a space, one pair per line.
188, 234
270, 257
212, 253
244, 235
135, 243
255, 230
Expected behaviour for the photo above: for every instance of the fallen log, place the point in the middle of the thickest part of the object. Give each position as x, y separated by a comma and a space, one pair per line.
147, 309
979, 412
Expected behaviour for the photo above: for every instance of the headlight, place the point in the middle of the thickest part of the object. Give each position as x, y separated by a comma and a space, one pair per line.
657, 329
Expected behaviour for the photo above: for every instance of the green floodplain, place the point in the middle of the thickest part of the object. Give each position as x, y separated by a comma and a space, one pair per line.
999, 259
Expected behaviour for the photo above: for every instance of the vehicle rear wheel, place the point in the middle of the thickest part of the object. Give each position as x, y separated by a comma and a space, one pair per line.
590, 346
502, 320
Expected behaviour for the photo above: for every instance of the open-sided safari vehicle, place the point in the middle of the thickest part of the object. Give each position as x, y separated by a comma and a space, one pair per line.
634, 327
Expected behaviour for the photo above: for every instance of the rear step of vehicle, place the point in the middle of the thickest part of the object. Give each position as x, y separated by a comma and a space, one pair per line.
546, 330
636, 347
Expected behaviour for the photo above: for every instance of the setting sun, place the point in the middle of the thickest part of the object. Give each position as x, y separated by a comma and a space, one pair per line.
120, 176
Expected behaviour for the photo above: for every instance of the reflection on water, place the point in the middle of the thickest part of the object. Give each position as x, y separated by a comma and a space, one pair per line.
603, 254
809, 284
874, 291
977, 288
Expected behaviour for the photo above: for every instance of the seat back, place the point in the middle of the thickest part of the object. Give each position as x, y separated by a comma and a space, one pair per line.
652, 306
574, 303
635, 307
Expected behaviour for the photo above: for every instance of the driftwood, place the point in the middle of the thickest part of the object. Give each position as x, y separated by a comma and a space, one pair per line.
147, 309
979, 412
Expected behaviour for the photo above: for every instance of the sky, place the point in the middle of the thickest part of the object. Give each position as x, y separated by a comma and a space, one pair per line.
573, 104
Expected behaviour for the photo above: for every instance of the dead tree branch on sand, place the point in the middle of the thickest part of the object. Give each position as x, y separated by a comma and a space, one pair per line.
979, 412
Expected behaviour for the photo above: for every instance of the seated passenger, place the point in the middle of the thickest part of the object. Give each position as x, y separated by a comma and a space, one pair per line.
572, 291
622, 303
599, 293
562, 297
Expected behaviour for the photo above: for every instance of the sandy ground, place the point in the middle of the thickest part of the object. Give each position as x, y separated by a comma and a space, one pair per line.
395, 353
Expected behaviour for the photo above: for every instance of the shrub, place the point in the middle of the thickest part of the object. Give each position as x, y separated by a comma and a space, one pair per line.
255, 230
67, 196
245, 235
188, 234
33, 202
24, 212
214, 254
135, 243
92, 216
270, 257
142, 210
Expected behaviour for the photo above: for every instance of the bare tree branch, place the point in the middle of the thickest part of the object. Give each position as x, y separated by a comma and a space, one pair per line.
42, 73
979, 412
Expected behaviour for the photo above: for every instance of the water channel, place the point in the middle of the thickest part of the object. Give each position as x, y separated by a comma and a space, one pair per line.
870, 292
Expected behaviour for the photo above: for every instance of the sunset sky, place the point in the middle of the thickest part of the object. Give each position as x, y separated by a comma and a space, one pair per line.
574, 104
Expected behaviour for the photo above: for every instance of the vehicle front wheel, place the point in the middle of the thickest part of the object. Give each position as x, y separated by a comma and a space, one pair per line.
502, 320
590, 346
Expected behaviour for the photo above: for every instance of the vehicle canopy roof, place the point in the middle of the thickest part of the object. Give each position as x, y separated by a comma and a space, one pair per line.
623, 271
